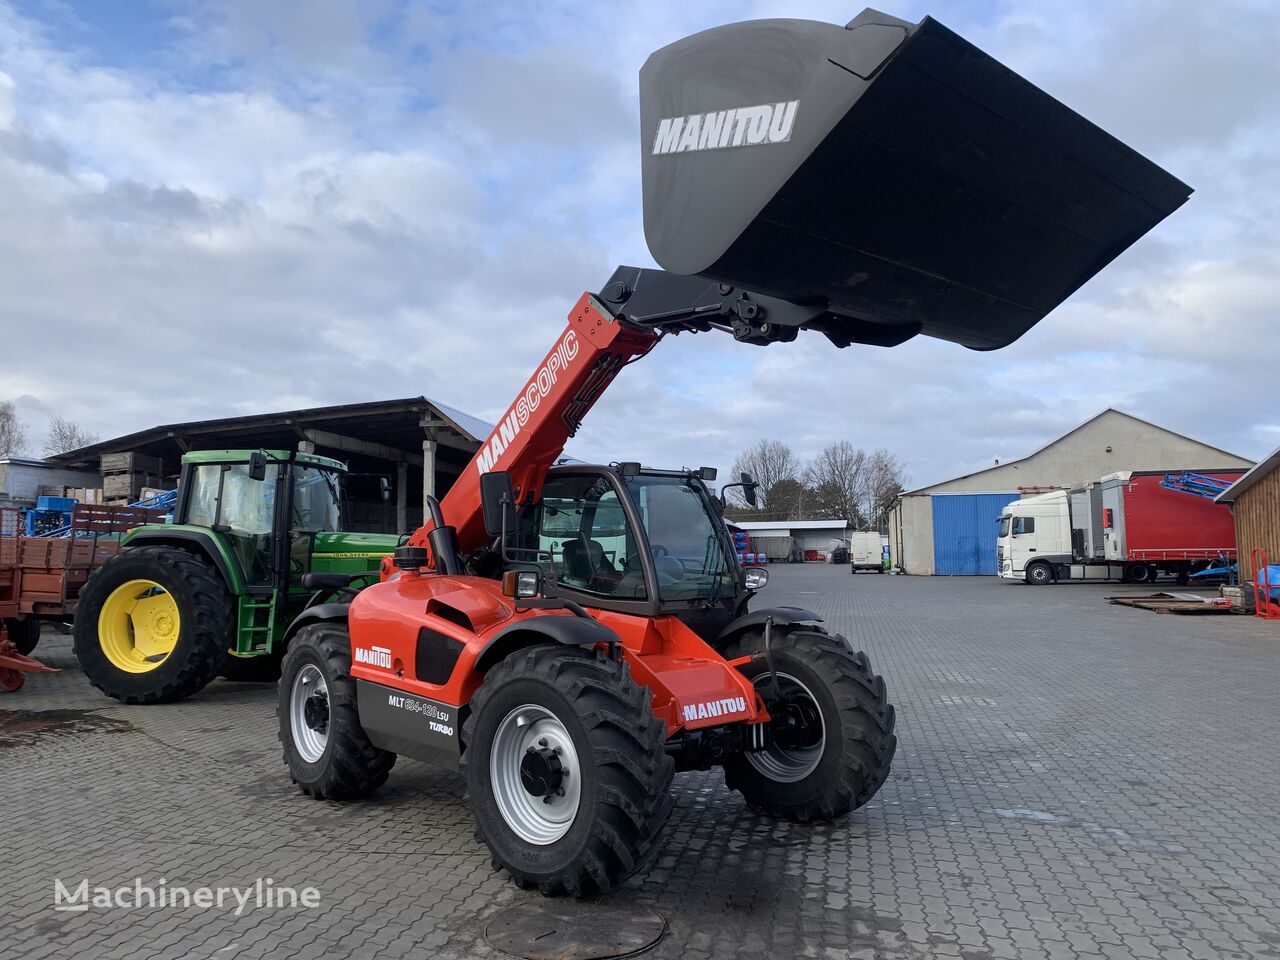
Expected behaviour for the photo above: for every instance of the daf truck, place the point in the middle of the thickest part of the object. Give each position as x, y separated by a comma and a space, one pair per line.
1131, 526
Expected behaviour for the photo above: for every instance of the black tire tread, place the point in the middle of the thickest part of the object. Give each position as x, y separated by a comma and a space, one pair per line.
629, 756
212, 614
355, 768
25, 633
868, 744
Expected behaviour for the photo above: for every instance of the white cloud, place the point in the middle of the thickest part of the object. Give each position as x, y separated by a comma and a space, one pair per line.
281, 209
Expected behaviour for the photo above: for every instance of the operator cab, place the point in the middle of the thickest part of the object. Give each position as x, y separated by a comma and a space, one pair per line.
633, 540
250, 498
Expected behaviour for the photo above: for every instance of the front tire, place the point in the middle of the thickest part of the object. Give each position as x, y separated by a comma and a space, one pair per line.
25, 633
566, 770
152, 625
838, 752
1039, 574
328, 754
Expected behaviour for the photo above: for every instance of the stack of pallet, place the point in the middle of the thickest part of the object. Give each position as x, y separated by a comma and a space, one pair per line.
83, 494
125, 475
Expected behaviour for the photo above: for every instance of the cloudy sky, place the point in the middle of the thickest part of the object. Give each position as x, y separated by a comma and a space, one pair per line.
219, 208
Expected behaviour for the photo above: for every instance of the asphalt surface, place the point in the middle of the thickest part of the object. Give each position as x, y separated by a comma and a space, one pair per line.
1073, 780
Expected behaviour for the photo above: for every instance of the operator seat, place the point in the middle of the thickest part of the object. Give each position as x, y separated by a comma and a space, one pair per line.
583, 562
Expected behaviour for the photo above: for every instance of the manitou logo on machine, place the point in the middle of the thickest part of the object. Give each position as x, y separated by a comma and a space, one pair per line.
714, 708
540, 384
374, 657
742, 126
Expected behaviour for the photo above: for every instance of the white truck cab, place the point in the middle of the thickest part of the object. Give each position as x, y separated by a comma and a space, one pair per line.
1034, 537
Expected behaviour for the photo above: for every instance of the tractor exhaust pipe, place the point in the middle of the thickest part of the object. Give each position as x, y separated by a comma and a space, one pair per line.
889, 172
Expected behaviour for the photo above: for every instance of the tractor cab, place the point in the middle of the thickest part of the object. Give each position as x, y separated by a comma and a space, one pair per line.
268, 506
634, 540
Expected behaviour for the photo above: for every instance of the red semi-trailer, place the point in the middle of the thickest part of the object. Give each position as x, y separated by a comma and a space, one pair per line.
1127, 526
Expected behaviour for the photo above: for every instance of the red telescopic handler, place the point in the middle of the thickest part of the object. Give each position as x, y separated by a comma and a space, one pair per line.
570, 636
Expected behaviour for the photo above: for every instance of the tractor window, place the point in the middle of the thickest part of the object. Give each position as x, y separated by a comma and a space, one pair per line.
685, 537
580, 528
202, 507
316, 500
247, 505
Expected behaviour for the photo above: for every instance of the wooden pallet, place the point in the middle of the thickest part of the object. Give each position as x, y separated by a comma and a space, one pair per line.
1175, 603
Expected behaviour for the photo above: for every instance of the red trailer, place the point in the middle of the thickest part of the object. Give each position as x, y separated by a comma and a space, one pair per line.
1147, 519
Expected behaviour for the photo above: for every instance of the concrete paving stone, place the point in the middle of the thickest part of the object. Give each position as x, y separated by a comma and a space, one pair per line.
1049, 800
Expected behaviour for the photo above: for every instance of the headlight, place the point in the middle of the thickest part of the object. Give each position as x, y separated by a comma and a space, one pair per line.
757, 577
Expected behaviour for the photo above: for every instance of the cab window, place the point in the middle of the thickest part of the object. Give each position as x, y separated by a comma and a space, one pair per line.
581, 530
1024, 525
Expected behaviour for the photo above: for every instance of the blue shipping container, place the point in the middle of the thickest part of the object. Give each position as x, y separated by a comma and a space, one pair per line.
964, 533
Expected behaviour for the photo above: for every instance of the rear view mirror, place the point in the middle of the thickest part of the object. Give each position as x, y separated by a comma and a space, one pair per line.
748, 488
384, 485
257, 466
495, 493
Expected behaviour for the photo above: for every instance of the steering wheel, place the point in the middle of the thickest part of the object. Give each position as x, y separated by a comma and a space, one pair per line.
658, 550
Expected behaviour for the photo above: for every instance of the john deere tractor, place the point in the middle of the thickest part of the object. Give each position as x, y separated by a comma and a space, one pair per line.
211, 593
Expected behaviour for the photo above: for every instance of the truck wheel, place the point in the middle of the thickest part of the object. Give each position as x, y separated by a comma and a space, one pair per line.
1039, 574
152, 625
263, 668
567, 770
24, 633
327, 751
1141, 573
833, 736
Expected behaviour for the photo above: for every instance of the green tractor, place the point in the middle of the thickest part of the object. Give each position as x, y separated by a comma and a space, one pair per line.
212, 593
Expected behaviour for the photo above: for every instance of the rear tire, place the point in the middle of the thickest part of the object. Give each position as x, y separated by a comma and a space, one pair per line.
328, 754
1039, 574
851, 762
25, 633
109, 648
1140, 573
584, 709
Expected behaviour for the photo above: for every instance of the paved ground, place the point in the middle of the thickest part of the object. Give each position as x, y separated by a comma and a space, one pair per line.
1072, 780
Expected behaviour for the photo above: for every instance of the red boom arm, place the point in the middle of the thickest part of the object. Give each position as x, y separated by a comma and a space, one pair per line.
584, 360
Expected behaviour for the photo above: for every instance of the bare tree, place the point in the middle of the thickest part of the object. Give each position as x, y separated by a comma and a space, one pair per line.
769, 462
13, 437
838, 476
886, 478
66, 435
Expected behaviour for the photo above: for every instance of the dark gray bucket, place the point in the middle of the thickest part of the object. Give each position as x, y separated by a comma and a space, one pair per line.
891, 171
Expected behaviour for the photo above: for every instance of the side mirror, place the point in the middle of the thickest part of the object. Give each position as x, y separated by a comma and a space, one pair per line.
257, 466
384, 485
495, 492
748, 488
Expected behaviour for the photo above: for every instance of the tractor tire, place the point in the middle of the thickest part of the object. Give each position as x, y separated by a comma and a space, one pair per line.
264, 668
25, 633
152, 625
574, 725
1039, 574
328, 754
842, 767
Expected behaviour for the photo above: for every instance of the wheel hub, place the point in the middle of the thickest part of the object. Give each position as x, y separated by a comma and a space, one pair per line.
315, 712
541, 772
796, 723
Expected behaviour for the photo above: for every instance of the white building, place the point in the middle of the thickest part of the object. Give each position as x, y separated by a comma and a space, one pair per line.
783, 540
949, 528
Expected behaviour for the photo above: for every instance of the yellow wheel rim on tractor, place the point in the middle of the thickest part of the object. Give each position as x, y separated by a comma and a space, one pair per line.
139, 626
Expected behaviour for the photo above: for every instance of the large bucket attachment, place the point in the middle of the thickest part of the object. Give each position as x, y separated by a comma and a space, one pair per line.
888, 170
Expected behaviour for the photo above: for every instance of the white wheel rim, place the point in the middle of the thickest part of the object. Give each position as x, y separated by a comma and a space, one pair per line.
310, 732
534, 819
788, 764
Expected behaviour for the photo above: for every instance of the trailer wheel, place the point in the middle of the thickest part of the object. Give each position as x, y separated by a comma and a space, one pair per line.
1039, 574
833, 739
25, 633
567, 770
1140, 573
328, 754
152, 625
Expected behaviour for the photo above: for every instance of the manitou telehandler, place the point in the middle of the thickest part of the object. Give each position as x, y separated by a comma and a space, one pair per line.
571, 635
